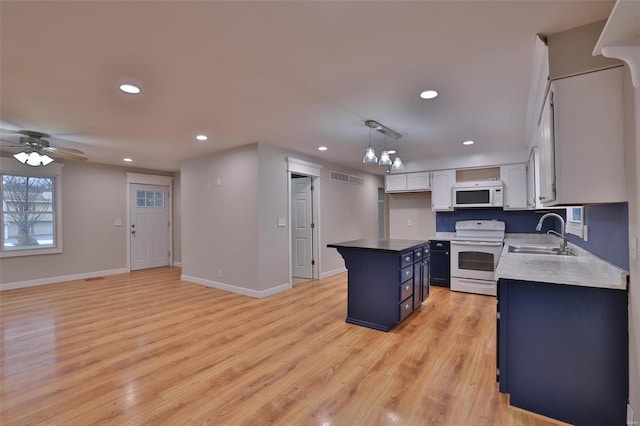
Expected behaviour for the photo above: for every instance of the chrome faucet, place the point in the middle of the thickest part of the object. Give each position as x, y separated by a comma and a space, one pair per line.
563, 242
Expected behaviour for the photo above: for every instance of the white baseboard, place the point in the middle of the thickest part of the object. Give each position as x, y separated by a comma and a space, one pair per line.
258, 294
332, 273
54, 280
177, 264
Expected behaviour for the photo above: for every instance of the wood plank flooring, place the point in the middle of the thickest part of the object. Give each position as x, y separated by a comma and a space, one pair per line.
148, 348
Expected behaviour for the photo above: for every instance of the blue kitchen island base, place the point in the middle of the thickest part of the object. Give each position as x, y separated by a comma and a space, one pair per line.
387, 280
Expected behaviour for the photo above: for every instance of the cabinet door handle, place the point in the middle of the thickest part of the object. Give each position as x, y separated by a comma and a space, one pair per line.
407, 273
439, 245
406, 288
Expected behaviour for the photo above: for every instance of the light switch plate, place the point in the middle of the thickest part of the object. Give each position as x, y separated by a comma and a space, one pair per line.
281, 222
117, 222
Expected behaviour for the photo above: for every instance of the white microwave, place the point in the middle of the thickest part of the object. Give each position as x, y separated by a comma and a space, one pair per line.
486, 193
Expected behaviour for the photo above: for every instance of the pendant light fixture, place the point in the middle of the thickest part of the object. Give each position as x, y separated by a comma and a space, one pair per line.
370, 153
397, 162
385, 155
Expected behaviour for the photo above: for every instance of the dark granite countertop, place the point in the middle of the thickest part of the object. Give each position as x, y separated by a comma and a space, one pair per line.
380, 245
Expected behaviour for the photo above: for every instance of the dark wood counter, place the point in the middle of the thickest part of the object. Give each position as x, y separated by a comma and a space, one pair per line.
388, 280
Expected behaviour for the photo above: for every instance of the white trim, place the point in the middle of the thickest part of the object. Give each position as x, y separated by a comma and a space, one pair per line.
312, 170
149, 179
332, 273
54, 280
177, 264
295, 165
258, 294
142, 179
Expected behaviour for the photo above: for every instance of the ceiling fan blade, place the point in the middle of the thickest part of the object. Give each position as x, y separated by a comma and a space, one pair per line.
62, 154
54, 150
6, 142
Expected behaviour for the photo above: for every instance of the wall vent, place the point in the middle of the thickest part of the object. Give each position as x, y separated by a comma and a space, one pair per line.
343, 177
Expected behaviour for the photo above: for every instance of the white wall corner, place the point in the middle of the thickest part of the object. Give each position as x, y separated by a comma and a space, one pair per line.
258, 294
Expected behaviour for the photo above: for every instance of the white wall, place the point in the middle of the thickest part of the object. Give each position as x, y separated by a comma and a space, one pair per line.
219, 196
414, 208
234, 226
273, 241
93, 196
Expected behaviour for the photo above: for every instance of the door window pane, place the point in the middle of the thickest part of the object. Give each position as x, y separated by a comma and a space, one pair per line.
149, 198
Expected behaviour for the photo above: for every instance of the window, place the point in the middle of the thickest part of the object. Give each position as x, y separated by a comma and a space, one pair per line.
149, 198
575, 222
30, 213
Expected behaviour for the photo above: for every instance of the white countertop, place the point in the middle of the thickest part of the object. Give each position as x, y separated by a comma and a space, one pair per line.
584, 269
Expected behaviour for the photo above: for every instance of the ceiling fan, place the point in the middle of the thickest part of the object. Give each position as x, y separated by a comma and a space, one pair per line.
35, 150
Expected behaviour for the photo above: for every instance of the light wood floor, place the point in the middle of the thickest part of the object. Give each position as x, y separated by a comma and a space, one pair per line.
147, 348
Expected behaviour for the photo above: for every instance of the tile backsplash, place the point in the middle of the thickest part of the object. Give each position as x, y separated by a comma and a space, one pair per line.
608, 227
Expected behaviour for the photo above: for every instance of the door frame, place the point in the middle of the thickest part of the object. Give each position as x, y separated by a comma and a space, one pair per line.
142, 179
305, 168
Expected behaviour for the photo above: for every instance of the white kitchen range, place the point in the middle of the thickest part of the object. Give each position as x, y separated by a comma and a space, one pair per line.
475, 252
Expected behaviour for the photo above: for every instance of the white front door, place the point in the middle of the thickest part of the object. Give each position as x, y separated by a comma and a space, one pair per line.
301, 227
149, 226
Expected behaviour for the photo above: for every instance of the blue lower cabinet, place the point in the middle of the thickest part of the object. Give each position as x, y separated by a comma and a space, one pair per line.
562, 351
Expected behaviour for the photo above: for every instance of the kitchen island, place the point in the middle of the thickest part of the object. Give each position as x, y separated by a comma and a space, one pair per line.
387, 280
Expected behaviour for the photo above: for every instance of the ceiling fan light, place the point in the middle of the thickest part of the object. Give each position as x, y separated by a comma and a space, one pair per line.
370, 156
45, 159
21, 157
385, 159
34, 159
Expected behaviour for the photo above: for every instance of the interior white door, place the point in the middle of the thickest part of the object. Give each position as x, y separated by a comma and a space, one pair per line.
301, 227
149, 226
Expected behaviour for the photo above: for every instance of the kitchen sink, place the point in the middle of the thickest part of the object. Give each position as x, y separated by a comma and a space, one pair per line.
539, 250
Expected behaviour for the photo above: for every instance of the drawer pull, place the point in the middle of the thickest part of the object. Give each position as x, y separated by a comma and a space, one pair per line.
406, 288
418, 254
407, 259
406, 306
407, 273
439, 245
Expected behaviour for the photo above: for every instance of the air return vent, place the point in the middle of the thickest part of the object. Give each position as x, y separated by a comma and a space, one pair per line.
343, 177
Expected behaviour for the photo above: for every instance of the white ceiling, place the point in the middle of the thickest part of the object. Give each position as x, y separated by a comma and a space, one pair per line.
292, 74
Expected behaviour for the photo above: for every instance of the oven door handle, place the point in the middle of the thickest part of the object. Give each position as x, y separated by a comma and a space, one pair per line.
476, 243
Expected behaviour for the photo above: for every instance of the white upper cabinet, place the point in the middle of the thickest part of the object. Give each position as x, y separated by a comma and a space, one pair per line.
580, 140
418, 181
514, 177
395, 183
405, 182
441, 183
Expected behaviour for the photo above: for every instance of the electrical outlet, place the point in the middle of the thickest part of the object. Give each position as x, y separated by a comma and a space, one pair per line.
219, 273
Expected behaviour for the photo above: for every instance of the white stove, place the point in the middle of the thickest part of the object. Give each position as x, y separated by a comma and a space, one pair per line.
475, 252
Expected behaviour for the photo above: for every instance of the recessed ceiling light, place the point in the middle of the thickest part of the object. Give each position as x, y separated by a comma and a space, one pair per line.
322, 148
428, 94
128, 160
130, 88
468, 143
202, 137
